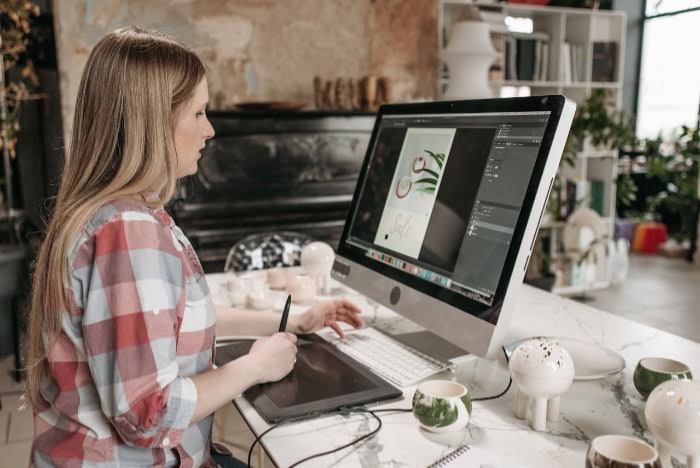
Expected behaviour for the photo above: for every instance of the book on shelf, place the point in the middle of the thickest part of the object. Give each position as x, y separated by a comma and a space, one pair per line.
604, 60
497, 69
525, 59
565, 63
526, 56
577, 73
597, 191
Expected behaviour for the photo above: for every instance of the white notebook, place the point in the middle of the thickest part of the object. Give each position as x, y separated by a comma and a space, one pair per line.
472, 457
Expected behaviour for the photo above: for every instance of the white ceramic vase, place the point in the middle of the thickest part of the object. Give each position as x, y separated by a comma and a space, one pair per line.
542, 370
469, 55
673, 415
317, 260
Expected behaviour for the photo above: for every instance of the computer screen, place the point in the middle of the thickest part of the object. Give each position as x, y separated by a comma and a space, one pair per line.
446, 210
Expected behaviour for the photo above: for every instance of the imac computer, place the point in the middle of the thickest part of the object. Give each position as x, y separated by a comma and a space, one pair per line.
446, 210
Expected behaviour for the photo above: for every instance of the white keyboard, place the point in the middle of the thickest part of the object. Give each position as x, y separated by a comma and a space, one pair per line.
387, 357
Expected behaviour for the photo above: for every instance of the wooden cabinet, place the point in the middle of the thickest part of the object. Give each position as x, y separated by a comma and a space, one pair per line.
584, 52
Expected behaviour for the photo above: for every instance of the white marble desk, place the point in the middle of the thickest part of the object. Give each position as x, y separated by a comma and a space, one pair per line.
588, 409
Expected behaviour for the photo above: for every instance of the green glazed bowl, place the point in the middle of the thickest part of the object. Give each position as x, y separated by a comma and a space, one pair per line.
652, 371
442, 406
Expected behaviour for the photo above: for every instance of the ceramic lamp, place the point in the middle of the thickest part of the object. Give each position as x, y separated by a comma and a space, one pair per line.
317, 260
469, 55
542, 370
673, 416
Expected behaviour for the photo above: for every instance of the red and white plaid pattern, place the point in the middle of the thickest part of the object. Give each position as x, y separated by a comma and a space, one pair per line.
139, 323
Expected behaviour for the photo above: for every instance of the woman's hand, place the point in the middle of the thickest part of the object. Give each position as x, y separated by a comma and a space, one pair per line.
274, 356
326, 314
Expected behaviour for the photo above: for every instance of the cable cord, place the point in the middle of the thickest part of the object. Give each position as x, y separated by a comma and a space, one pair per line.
510, 382
343, 412
369, 435
348, 411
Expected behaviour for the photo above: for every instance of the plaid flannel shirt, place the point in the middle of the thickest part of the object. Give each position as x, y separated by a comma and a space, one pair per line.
138, 324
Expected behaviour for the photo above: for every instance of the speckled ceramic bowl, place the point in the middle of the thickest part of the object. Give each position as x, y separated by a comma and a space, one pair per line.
442, 406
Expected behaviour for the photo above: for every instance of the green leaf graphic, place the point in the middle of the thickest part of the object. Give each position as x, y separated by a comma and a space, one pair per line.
435, 413
438, 157
426, 180
426, 189
431, 172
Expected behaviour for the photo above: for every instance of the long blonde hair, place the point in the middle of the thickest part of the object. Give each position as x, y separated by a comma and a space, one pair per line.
133, 87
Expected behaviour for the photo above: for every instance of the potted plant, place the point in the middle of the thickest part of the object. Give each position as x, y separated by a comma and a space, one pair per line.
676, 166
15, 22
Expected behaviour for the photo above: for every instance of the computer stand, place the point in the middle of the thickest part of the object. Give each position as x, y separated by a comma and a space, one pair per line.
432, 345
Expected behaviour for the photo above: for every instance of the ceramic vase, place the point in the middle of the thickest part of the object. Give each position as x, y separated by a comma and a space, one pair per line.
317, 260
673, 415
542, 370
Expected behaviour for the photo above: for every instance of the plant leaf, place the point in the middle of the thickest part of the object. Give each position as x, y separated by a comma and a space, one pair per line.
431, 172
426, 180
436, 157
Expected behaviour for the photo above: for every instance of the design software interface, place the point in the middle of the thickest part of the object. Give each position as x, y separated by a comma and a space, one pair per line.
442, 195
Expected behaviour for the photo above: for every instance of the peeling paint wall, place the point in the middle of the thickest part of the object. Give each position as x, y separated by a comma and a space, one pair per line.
264, 50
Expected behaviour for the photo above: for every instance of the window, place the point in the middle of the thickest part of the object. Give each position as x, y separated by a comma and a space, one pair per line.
669, 86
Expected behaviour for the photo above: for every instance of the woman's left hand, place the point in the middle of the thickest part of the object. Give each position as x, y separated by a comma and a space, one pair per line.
326, 314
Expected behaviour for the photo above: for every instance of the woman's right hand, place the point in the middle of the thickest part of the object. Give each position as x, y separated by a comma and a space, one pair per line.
274, 356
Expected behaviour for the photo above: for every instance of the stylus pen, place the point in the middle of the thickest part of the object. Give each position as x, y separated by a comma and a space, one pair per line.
285, 313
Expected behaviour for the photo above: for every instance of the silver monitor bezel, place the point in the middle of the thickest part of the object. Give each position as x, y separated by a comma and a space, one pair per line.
388, 286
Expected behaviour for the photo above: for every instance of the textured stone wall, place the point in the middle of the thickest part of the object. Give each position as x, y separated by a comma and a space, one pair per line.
262, 50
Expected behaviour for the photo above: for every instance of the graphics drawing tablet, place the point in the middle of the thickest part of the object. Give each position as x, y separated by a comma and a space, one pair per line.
323, 379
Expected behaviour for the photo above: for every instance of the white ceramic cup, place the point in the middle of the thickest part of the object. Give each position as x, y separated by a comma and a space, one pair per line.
237, 289
260, 299
277, 278
302, 288
442, 406
619, 451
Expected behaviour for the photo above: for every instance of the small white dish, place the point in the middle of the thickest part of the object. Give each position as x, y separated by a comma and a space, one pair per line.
591, 360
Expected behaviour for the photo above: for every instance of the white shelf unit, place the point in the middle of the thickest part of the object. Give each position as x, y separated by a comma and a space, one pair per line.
582, 27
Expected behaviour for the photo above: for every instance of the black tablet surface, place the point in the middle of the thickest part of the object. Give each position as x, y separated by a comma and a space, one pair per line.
323, 379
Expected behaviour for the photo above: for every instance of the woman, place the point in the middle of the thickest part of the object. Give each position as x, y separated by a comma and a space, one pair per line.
121, 329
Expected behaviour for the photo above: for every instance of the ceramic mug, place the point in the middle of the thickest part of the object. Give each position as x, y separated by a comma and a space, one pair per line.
652, 371
302, 288
237, 289
260, 299
618, 451
277, 278
442, 406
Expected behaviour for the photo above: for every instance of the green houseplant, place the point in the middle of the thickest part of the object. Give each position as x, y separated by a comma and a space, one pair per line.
676, 166
596, 125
